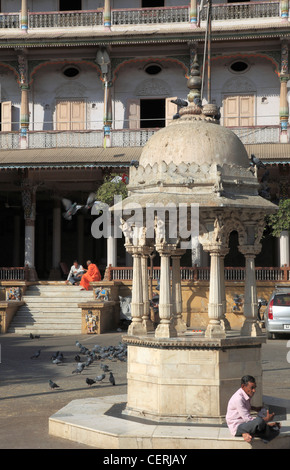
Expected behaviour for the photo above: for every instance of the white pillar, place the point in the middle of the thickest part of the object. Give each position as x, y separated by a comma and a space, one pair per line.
284, 248
165, 329
29, 243
225, 322
147, 323
215, 307
111, 251
136, 327
178, 322
250, 326
29, 206
196, 252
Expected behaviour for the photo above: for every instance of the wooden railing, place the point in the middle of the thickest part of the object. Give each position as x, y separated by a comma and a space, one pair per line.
232, 274
13, 274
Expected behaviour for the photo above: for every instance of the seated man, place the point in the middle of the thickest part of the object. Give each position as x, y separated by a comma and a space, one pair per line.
241, 422
75, 274
92, 274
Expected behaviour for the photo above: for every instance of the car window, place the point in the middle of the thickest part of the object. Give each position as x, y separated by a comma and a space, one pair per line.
282, 300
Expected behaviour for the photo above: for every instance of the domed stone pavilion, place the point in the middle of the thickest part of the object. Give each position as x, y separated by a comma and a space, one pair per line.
192, 163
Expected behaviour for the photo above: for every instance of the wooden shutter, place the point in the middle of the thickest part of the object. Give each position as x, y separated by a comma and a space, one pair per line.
133, 112
77, 114
231, 111
239, 110
63, 116
6, 116
246, 110
170, 109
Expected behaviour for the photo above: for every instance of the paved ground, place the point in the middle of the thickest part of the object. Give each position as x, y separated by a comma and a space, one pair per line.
26, 401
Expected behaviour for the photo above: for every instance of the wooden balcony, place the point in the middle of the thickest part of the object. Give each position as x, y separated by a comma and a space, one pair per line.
141, 16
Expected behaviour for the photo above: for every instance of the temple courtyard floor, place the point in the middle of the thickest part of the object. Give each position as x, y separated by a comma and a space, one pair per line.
27, 402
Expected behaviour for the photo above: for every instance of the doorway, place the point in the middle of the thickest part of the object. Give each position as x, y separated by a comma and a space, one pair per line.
152, 113
70, 5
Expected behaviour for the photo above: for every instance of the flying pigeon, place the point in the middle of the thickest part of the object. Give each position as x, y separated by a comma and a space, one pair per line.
257, 162
53, 385
70, 208
90, 201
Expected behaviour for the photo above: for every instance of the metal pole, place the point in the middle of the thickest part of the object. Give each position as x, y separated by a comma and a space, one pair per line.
209, 53
204, 52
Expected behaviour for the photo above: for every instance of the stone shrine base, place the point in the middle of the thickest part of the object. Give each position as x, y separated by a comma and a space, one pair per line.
101, 423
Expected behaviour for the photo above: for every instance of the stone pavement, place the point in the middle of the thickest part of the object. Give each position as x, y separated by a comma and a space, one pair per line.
26, 401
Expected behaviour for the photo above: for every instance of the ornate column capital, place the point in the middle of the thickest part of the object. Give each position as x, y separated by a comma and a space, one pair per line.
250, 250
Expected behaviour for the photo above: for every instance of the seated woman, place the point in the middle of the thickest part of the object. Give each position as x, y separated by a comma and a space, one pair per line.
92, 274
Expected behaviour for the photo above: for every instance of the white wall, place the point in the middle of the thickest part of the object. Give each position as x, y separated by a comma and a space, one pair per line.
50, 84
132, 76
260, 80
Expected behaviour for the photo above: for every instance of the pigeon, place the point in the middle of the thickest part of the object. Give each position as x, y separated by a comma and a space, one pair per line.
90, 382
198, 101
31, 336
100, 378
36, 354
70, 208
57, 360
53, 385
105, 367
180, 103
89, 361
265, 176
134, 163
80, 368
257, 162
112, 379
78, 358
78, 344
90, 201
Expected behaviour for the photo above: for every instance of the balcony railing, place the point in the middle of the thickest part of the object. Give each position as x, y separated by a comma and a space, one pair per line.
240, 11
120, 138
203, 274
150, 15
141, 16
65, 19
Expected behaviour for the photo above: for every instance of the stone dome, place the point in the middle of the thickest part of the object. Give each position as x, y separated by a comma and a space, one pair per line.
192, 140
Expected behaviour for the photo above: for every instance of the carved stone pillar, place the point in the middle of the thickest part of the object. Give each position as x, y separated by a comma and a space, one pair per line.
250, 326
225, 322
137, 308
29, 205
147, 323
165, 329
178, 321
215, 306
24, 109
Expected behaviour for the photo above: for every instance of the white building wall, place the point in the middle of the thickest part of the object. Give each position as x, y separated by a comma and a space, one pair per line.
134, 83
260, 79
50, 84
10, 91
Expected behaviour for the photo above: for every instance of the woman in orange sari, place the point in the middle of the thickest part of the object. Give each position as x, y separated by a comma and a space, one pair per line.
92, 274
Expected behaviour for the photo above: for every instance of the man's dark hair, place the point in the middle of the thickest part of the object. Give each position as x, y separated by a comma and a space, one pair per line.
247, 378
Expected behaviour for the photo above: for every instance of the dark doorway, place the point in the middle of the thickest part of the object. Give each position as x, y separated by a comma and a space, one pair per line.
70, 5
152, 113
152, 3
234, 257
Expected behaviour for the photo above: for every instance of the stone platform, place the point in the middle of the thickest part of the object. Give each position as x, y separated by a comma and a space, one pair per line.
100, 423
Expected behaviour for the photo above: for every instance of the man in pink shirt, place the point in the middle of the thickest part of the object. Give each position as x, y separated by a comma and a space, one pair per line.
239, 419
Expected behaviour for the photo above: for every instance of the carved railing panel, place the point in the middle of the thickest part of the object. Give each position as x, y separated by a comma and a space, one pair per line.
68, 19
150, 15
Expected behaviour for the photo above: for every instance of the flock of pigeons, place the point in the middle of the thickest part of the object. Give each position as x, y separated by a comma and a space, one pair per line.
86, 357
